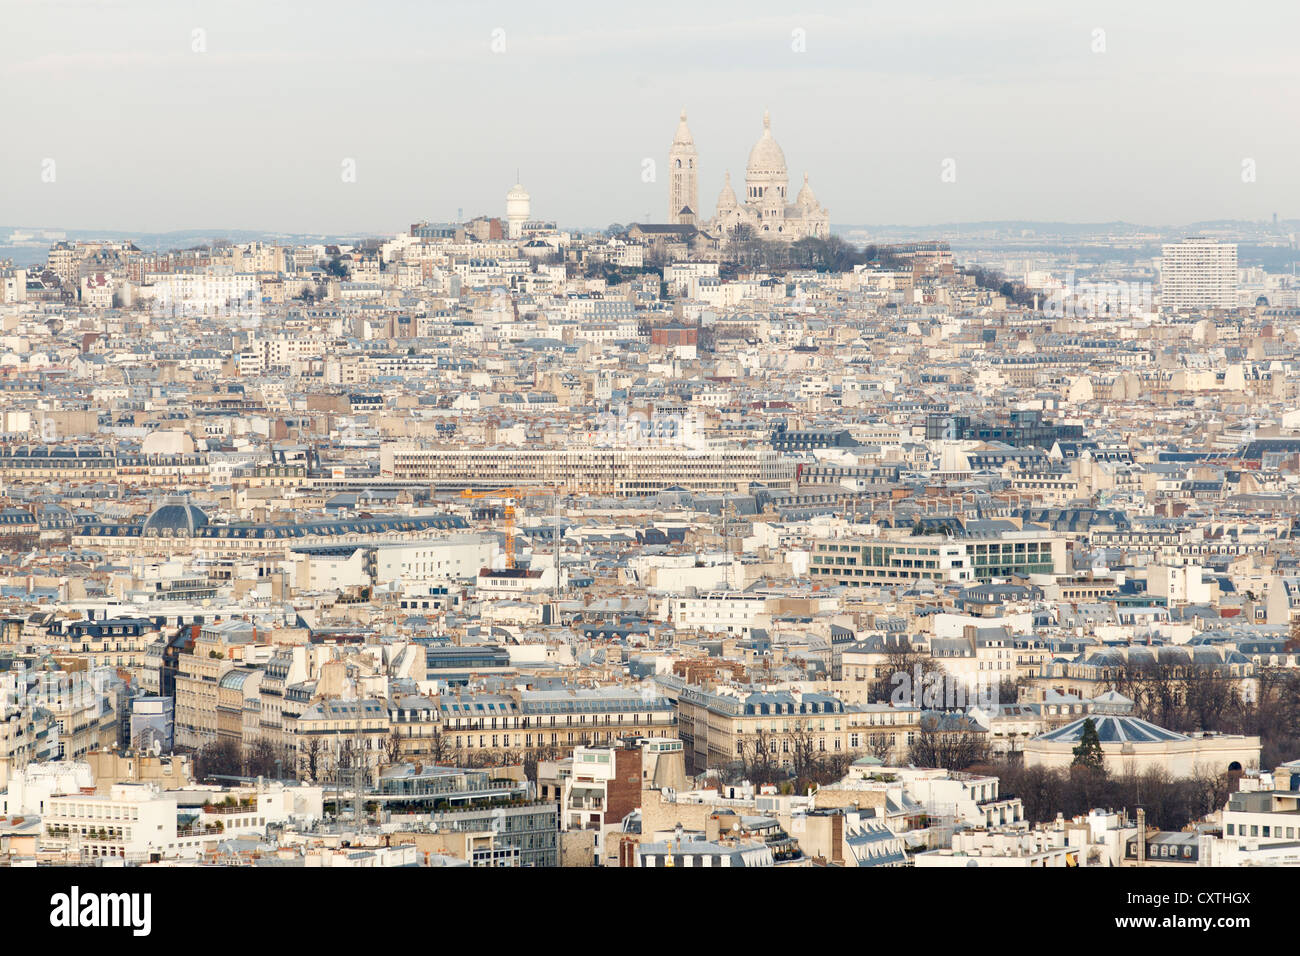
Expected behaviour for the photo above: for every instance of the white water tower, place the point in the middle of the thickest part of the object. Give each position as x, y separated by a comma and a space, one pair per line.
518, 208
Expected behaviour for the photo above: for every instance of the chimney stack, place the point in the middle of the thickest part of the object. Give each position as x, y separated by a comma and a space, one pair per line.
1142, 836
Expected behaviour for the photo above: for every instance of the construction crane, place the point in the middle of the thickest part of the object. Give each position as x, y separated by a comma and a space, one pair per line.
508, 514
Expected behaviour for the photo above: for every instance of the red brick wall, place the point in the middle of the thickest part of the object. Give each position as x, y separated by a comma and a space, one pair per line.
625, 789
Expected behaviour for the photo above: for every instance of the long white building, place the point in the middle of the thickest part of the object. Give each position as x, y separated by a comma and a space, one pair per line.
588, 469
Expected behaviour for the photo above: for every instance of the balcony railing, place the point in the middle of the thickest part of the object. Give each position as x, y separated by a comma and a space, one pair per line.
204, 830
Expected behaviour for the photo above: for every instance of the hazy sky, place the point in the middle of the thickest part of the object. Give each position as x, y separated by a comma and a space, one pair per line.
147, 134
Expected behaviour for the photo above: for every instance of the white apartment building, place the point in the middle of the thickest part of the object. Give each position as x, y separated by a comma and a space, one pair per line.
678, 275
1265, 810
897, 556
455, 557
735, 614
695, 851
1010, 848
246, 813
197, 292
1179, 585
590, 469
13, 287
131, 822
30, 788
961, 797
325, 572
1198, 273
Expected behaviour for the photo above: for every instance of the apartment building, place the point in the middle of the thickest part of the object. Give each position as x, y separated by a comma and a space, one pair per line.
984, 550
723, 727
84, 705
550, 721
721, 611
595, 788
28, 734
336, 732
132, 822
215, 652
696, 851
1198, 273
524, 829
106, 642
454, 557
589, 469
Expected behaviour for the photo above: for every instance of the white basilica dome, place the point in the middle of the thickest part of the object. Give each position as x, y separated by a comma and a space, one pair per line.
766, 160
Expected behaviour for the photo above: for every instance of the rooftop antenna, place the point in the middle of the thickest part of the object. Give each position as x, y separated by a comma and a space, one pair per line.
359, 771
555, 535
729, 513
338, 784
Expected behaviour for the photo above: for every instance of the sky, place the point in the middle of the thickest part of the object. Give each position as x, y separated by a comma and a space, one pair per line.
331, 117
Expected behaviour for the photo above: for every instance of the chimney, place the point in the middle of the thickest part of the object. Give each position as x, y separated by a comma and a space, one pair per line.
1142, 836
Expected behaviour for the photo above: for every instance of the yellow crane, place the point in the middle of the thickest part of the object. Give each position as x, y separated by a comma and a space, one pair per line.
508, 513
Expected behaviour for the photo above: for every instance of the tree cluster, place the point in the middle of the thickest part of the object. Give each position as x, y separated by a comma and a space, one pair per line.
791, 760
1197, 697
1171, 803
227, 758
995, 281
945, 741
747, 250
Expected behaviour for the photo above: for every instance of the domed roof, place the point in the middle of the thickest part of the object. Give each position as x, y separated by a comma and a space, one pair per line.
806, 197
517, 191
175, 517
766, 158
1113, 729
727, 198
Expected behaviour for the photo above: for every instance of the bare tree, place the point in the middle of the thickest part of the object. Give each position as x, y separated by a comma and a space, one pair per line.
311, 756
439, 747
221, 757
534, 757
1206, 695
901, 660
947, 742
393, 747
263, 760
881, 746
758, 756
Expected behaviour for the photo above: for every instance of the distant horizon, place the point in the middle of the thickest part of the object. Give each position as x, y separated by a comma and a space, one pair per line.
271, 115
216, 232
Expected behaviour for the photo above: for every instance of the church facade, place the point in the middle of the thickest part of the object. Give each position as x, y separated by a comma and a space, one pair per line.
765, 209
